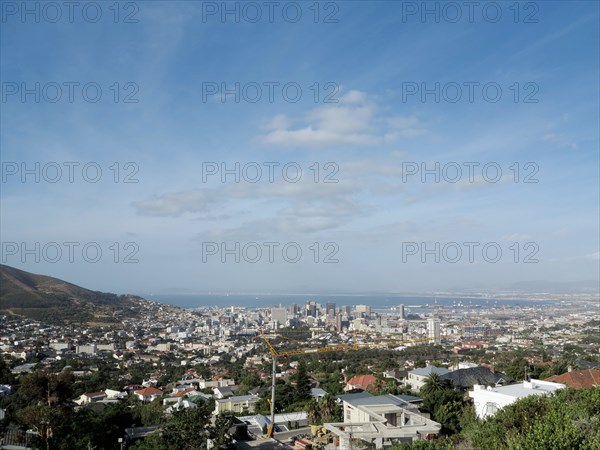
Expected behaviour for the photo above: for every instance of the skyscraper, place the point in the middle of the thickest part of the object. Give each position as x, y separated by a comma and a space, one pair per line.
401, 311
330, 307
338, 322
433, 331
364, 310
279, 315
311, 309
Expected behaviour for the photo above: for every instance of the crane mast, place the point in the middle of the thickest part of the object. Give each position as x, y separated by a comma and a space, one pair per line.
334, 348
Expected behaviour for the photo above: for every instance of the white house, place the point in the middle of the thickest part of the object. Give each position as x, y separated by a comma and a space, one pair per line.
148, 394
112, 394
381, 420
416, 377
203, 384
222, 392
180, 405
90, 397
488, 400
236, 404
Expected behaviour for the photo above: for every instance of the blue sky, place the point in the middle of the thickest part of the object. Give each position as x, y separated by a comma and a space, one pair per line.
373, 57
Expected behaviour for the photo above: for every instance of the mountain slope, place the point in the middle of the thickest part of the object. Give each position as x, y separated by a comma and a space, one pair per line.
52, 300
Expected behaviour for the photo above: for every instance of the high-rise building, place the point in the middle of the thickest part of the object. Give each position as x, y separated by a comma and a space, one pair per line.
363, 309
311, 309
279, 315
401, 312
433, 331
330, 307
338, 322
294, 309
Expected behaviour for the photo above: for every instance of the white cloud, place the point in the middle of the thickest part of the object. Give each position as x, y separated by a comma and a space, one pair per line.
175, 204
355, 96
560, 140
356, 120
277, 122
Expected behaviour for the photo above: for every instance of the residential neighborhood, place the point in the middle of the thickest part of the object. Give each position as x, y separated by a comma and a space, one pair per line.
380, 367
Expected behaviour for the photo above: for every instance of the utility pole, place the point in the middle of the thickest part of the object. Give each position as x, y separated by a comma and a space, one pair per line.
272, 425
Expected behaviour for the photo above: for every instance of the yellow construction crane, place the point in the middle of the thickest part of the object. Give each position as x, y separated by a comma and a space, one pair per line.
275, 353
333, 348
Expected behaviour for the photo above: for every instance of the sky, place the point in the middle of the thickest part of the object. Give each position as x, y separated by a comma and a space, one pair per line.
167, 147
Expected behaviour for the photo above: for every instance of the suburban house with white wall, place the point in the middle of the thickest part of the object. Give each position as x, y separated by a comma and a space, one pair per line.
488, 400
236, 404
416, 378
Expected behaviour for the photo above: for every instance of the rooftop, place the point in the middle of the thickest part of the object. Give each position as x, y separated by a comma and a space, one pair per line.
426, 371
525, 389
578, 379
239, 398
387, 399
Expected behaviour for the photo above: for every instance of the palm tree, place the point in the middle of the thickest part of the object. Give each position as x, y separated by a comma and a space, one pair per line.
313, 412
434, 384
330, 409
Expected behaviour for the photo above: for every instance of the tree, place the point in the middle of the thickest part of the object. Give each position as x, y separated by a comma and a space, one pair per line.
41, 386
151, 442
434, 384
334, 382
40, 418
449, 415
151, 413
326, 409
435, 400
220, 431
422, 444
313, 412
331, 410
6, 376
189, 429
302, 384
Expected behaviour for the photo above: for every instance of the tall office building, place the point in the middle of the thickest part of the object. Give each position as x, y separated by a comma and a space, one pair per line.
363, 309
279, 315
338, 322
294, 309
401, 312
330, 307
311, 309
433, 331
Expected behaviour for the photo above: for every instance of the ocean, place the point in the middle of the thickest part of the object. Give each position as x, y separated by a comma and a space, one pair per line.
374, 301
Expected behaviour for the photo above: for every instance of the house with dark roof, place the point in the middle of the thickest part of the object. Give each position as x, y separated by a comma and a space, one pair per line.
465, 379
578, 379
224, 391
584, 364
397, 374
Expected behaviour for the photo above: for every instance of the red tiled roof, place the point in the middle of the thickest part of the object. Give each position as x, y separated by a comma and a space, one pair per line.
184, 393
578, 379
364, 382
149, 391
